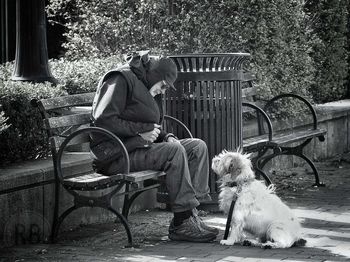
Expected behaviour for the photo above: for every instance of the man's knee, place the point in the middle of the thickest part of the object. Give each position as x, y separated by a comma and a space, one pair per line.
200, 145
175, 149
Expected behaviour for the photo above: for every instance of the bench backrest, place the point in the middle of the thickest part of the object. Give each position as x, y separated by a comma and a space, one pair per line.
63, 115
286, 111
248, 88
253, 122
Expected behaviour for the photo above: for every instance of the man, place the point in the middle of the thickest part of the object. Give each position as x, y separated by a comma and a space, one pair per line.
128, 103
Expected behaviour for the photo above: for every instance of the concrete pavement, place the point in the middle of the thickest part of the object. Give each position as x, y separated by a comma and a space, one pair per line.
325, 215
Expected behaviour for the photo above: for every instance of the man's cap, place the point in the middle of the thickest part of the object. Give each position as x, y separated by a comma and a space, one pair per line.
163, 68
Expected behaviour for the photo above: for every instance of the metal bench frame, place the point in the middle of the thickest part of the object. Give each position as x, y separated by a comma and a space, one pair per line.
76, 130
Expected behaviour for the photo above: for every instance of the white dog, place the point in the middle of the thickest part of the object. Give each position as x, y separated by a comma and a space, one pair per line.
257, 211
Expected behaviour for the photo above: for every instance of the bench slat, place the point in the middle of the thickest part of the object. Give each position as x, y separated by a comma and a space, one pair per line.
287, 138
143, 175
248, 76
92, 181
68, 120
56, 141
252, 142
67, 101
281, 138
248, 92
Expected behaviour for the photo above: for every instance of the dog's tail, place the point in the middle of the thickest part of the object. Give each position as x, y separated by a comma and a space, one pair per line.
299, 243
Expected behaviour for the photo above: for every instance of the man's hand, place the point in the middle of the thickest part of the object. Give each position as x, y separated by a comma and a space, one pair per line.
152, 135
172, 139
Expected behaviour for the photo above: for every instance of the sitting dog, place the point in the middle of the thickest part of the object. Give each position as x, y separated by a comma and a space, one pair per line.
257, 211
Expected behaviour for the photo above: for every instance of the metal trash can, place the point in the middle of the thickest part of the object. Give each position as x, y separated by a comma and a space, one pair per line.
208, 99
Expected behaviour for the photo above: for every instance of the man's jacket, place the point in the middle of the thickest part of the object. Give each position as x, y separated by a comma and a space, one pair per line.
124, 106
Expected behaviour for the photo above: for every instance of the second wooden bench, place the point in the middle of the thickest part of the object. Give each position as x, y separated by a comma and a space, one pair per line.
274, 138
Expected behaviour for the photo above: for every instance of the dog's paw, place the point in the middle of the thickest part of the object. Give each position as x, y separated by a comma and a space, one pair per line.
227, 242
266, 246
247, 243
299, 243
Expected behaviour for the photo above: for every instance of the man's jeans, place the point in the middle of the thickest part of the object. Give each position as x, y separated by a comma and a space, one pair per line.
186, 165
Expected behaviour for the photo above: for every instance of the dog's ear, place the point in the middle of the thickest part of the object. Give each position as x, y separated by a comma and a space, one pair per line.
233, 167
248, 155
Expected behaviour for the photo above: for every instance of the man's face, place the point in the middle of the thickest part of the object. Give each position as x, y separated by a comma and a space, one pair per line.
159, 88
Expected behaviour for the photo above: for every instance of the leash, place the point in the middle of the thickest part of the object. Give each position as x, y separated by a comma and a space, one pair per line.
229, 219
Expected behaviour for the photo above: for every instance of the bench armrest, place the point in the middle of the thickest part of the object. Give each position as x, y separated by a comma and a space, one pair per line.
179, 123
306, 102
89, 130
265, 116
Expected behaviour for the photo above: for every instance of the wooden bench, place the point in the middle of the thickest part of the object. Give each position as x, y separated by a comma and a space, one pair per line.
273, 138
67, 122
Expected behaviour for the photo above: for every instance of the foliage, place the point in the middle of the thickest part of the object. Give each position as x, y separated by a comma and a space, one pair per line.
295, 48
277, 33
3, 124
81, 76
104, 27
328, 19
24, 138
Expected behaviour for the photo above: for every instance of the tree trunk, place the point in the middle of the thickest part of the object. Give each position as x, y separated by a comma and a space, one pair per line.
31, 62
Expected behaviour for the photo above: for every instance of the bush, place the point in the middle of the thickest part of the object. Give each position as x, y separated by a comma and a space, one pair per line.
277, 37
279, 34
272, 31
329, 24
23, 136
81, 76
3, 119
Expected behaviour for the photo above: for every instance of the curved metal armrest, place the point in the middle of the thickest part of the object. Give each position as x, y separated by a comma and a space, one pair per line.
179, 123
265, 116
306, 102
90, 130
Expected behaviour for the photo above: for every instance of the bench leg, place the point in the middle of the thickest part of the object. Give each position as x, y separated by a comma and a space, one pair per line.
263, 174
87, 201
315, 171
259, 171
55, 212
59, 221
125, 224
71, 209
295, 151
126, 204
128, 200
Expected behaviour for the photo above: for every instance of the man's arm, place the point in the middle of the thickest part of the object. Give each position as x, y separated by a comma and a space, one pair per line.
164, 136
110, 102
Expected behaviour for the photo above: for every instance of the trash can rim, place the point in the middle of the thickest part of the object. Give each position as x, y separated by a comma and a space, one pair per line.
210, 54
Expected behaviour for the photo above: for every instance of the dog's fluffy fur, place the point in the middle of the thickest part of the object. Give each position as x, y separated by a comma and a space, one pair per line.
258, 211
